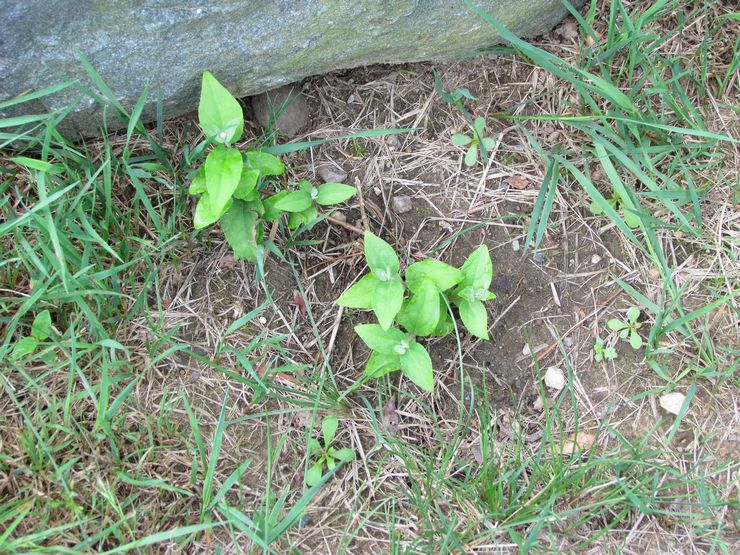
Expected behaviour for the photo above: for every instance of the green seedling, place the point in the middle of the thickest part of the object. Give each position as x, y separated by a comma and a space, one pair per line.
232, 186
603, 353
326, 454
474, 143
615, 201
628, 329
302, 205
40, 331
433, 289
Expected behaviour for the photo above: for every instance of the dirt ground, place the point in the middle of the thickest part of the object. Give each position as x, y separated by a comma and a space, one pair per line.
566, 294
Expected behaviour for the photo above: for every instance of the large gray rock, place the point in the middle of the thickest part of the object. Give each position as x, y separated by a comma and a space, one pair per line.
249, 45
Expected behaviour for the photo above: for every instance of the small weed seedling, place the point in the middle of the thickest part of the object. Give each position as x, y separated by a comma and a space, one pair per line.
231, 185
326, 454
40, 331
434, 288
302, 205
628, 329
476, 142
603, 353
616, 202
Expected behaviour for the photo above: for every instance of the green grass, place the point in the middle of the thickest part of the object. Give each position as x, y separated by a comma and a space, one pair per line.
91, 461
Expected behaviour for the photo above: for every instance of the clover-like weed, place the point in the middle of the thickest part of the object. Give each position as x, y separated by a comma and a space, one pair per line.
475, 142
325, 454
602, 352
627, 329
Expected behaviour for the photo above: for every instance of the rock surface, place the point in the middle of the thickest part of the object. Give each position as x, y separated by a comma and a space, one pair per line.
286, 105
250, 46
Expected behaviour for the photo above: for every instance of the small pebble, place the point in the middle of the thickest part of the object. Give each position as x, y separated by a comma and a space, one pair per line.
332, 174
595, 259
263, 320
401, 204
377, 190
515, 245
305, 521
539, 258
339, 215
654, 274
568, 342
392, 141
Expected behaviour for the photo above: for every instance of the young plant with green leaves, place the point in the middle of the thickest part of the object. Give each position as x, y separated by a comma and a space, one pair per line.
434, 288
232, 186
302, 204
41, 330
627, 329
616, 202
325, 454
602, 352
478, 142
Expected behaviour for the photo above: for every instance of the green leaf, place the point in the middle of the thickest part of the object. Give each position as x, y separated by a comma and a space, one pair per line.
385, 342
477, 269
330, 463
247, 183
198, 184
24, 347
387, 301
334, 193
296, 219
488, 143
223, 173
635, 340
417, 366
616, 325
460, 140
294, 201
204, 213
243, 231
313, 446
422, 311
380, 257
219, 113
267, 164
345, 455
474, 316
360, 295
443, 275
313, 474
633, 314
479, 125
445, 325
271, 212
379, 364
471, 156
329, 427
41, 327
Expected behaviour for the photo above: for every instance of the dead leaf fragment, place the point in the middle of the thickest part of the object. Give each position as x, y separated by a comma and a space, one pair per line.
300, 303
390, 416
581, 442
516, 182
554, 378
672, 402
476, 451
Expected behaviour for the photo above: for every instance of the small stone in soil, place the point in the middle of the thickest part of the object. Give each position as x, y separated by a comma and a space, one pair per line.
595, 259
339, 215
294, 118
515, 245
539, 258
401, 204
304, 521
501, 284
332, 174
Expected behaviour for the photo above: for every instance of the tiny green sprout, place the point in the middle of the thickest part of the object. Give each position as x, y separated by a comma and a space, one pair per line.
40, 331
302, 204
603, 353
615, 201
476, 142
326, 454
628, 329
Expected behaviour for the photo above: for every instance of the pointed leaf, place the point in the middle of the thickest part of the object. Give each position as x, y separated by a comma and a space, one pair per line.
243, 231
416, 365
460, 140
387, 301
379, 364
474, 316
334, 193
198, 184
385, 342
271, 212
423, 309
265, 163
329, 427
247, 183
223, 173
345, 455
477, 269
443, 275
204, 213
41, 327
295, 201
380, 257
219, 113
360, 295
